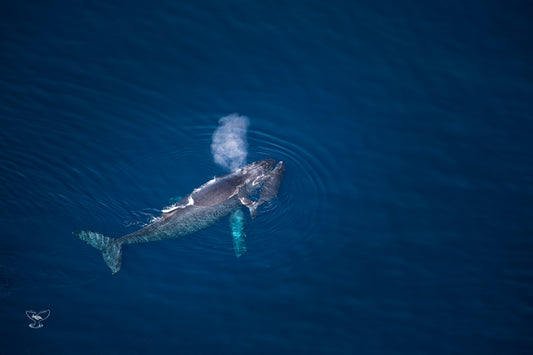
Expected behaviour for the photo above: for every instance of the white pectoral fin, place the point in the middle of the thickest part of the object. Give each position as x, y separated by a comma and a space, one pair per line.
236, 222
252, 206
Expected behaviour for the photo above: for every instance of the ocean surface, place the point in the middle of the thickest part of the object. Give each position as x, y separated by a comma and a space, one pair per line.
403, 223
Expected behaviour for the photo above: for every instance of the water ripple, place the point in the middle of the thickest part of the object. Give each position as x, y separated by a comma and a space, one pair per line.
117, 193
301, 196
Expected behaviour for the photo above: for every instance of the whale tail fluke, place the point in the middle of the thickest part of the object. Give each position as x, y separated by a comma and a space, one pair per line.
111, 248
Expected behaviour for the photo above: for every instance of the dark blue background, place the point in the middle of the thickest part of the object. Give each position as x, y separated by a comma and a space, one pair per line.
403, 223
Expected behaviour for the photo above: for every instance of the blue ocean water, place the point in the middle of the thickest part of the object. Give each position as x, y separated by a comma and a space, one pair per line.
403, 222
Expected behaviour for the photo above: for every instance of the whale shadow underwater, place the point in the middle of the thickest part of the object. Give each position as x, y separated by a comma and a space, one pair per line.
200, 209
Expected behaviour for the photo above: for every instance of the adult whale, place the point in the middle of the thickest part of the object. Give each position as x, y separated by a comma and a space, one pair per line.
198, 210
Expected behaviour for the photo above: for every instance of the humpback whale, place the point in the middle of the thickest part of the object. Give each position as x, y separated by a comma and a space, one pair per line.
200, 209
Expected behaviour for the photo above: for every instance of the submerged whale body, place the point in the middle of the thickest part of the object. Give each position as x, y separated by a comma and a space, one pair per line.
198, 210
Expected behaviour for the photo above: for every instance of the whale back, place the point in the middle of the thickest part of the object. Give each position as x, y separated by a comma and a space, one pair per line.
217, 192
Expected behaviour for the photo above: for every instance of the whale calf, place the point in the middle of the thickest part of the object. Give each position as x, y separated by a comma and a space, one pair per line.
200, 209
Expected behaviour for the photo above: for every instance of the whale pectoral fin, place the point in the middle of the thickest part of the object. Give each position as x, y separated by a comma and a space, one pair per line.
236, 223
252, 206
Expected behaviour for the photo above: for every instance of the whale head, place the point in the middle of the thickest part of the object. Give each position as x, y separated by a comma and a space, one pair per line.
258, 168
254, 175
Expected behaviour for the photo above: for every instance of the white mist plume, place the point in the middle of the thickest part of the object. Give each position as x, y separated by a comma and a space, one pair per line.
229, 145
